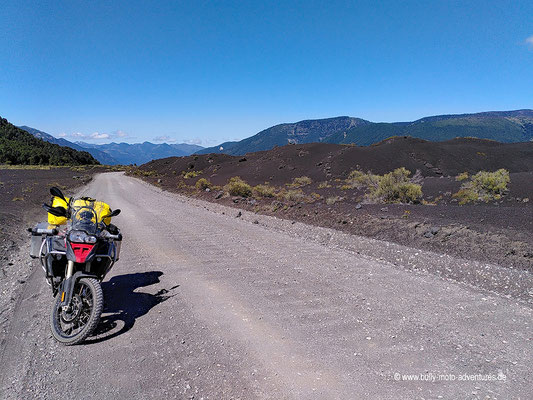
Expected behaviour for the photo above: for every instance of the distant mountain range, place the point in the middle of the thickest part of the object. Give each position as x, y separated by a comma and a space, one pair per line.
121, 153
140, 153
501, 126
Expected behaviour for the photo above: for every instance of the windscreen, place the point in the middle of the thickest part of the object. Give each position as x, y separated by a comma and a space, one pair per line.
84, 217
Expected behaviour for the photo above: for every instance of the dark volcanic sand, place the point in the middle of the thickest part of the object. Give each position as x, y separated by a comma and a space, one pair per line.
495, 232
22, 192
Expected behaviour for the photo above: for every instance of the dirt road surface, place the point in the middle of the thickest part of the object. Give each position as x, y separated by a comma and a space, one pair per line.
206, 305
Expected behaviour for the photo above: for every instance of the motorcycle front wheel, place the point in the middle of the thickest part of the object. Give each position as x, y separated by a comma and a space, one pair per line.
74, 325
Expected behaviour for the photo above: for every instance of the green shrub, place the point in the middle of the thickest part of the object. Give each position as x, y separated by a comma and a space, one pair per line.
492, 183
264, 191
190, 174
142, 172
294, 195
467, 195
333, 199
314, 197
237, 187
300, 182
182, 185
395, 187
324, 185
484, 186
461, 177
358, 179
202, 184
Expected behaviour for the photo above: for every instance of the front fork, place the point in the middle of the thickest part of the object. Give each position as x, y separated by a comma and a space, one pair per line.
70, 269
67, 285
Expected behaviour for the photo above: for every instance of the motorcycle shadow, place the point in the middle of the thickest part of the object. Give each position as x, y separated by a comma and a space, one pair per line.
123, 305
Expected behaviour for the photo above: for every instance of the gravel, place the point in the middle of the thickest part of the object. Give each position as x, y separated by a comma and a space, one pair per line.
206, 305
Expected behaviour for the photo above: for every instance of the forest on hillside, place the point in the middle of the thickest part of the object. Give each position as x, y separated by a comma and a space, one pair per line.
19, 147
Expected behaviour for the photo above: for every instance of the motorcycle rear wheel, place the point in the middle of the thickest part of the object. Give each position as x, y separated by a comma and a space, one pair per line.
75, 325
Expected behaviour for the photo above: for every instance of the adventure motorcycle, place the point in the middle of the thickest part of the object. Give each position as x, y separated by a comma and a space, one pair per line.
76, 249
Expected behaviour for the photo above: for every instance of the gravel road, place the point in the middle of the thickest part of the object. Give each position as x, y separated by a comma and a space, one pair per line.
204, 304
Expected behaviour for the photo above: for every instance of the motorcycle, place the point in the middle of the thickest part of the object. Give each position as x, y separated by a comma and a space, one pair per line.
76, 249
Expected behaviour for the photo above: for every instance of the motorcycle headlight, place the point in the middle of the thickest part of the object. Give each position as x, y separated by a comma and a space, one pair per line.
90, 239
81, 237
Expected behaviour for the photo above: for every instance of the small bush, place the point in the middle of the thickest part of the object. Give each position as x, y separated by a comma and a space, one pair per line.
358, 179
294, 195
190, 174
182, 185
461, 177
203, 184
395, 187
18, 199
141, 172
492, 183
467, 195
324, 185
237, 187
333, 199
314, 197
300, 182
264, 191
484, 186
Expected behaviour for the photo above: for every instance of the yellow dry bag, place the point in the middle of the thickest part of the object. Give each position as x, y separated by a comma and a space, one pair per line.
58, 202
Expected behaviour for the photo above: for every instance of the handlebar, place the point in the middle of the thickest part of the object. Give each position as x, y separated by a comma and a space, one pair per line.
44, 231
108, 235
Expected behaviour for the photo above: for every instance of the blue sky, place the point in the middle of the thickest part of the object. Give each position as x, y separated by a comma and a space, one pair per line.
210, 71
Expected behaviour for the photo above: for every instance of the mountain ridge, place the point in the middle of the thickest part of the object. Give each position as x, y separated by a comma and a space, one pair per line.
503, 126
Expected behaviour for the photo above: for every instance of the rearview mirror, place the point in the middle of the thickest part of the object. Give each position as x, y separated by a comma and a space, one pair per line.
56, 211
58, 193
113, 213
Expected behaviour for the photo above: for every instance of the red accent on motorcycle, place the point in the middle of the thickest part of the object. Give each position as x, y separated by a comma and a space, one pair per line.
81, 251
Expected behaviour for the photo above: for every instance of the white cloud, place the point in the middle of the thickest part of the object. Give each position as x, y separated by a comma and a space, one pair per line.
164, 139
97, 135
529, 41
196, 141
